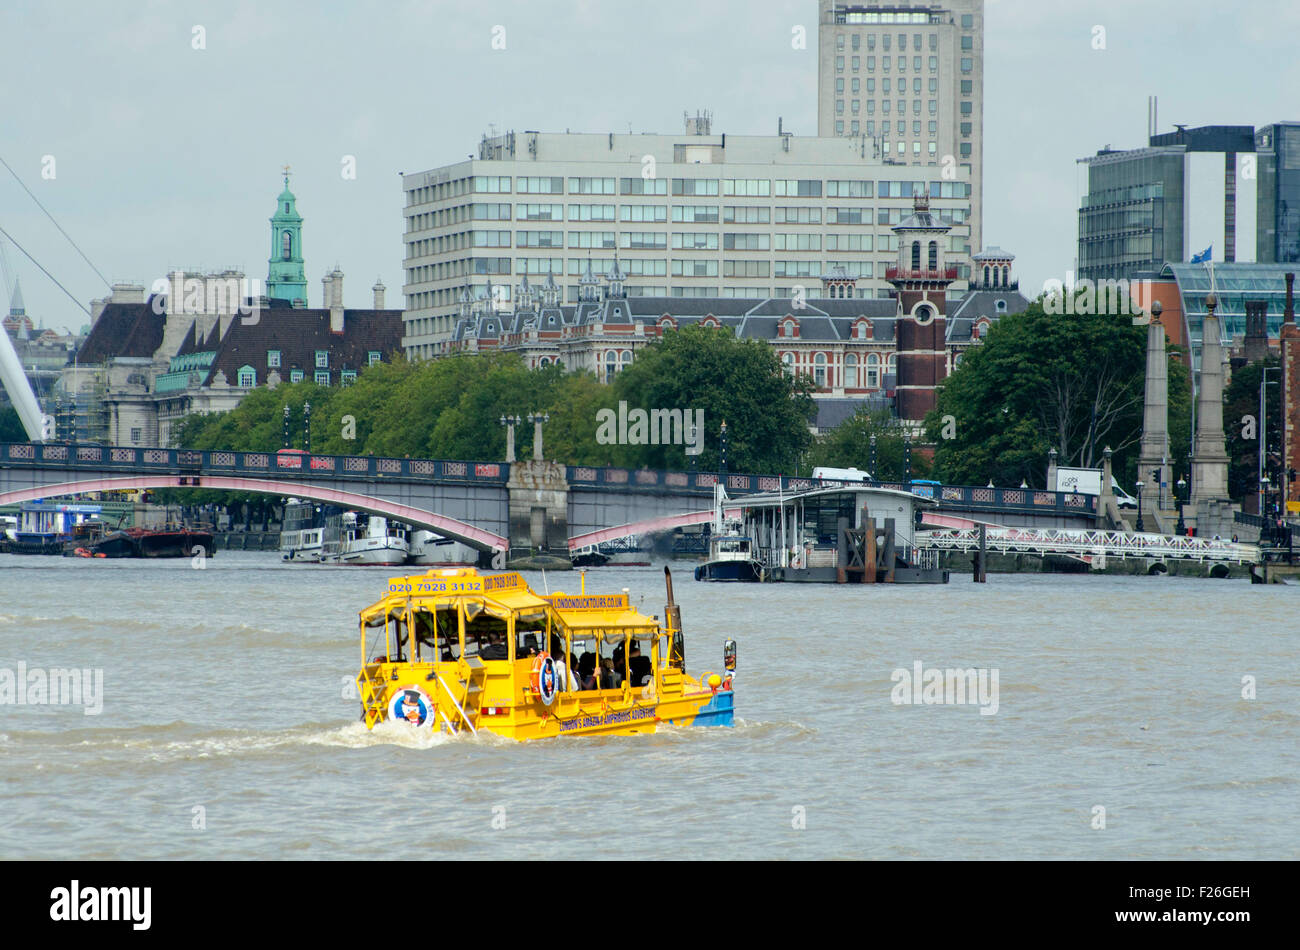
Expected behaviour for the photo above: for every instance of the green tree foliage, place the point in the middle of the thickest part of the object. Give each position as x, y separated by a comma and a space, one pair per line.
451, 408
11, 426
1041, 381
1241, 424
737, 381
849, 446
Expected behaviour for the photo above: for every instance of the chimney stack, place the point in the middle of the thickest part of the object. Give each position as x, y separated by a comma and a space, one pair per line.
325, 292
336, 301
379, 293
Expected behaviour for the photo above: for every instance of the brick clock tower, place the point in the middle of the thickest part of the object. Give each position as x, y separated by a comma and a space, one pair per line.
921, 280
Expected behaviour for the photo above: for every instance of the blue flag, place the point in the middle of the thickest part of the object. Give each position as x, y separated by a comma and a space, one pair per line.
1204, 256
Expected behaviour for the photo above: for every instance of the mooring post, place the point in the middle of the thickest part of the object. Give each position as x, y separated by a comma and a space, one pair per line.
842, 551
869, 551
981, 559
889, 550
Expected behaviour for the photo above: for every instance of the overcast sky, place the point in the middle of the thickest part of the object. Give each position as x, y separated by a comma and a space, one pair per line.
167, 156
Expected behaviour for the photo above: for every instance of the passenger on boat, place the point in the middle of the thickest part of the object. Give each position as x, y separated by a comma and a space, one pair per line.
587, 671
495, 648
561, 667
642, 672
609, 679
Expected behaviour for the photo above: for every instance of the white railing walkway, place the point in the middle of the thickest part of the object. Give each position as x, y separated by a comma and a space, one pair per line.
1088, 544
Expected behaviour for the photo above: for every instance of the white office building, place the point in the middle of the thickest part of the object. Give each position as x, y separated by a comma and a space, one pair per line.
691, 215
907, 81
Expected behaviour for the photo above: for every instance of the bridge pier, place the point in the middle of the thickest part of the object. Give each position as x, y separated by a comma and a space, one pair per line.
539, 507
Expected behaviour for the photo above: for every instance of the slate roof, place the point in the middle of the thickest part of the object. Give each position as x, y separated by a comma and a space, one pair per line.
123, 329
298, 334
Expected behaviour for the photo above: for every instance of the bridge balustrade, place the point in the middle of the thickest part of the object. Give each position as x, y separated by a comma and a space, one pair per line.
301, 465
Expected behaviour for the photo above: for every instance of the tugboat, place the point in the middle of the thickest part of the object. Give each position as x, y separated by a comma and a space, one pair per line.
463, 652
731, 553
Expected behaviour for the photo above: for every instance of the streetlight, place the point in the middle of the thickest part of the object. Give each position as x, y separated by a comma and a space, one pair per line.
1181, 490
722, 442
874, 473
286, 425
1266, 526
510, 422
1263, 428
306, 426
1139, 529
537, 418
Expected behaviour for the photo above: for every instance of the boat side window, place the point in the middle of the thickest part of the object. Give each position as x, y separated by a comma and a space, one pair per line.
398, 634
436, 635
531, 633
585, 650
490, 634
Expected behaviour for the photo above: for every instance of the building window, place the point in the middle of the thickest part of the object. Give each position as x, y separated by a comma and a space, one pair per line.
322, 359
272, 359
322, 378
851, 371
136, 435
247, 377
967, 64
347, 377
295, 376
372, 357
967, 21
873, 371
968, 42
819, 370
787, 362
286, 246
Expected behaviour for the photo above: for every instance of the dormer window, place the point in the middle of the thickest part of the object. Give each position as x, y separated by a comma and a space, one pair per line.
322, 359
372, 357
272, 359
1001, 306
787, 329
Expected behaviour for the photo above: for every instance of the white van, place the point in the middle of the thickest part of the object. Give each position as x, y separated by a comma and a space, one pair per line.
841, 474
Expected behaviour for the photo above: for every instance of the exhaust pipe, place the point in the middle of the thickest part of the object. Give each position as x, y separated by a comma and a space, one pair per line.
673, 619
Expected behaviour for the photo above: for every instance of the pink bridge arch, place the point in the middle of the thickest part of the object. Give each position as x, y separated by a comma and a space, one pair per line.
447, 527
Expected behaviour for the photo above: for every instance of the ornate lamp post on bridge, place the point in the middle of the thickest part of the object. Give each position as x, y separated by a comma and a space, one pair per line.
510, 422
306, 427
1139, 527
537, 418
722, 450
286, 425
1180, 493
874, 474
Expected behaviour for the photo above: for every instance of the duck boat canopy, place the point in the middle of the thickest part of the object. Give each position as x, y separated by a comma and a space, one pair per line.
461, 651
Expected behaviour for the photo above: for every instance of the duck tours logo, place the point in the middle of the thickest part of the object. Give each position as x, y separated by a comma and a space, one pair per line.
945, 687
655, 427
53, 687
411, 704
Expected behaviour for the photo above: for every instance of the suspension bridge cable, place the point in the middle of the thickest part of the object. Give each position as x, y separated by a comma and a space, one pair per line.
44, 271
56, 224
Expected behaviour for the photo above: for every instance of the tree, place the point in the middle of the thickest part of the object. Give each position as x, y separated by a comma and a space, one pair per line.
848, 445
1242, 425
1039, 381
737, 381
11, 426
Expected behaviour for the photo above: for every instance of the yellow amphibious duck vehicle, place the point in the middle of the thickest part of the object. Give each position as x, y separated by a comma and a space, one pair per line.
461, 651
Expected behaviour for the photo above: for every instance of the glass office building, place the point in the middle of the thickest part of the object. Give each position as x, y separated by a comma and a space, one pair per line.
1277, 224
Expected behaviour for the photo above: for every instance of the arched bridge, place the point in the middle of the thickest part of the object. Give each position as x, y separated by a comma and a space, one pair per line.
486, 505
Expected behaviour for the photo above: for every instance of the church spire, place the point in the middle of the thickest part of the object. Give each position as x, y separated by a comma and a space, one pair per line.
286, 278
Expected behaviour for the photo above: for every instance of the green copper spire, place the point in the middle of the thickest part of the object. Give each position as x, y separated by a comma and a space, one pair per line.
286, 279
